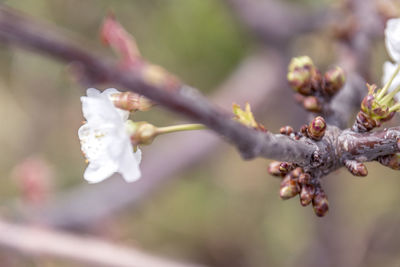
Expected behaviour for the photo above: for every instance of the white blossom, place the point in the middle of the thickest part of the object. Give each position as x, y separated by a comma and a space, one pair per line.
392, 38
105, 141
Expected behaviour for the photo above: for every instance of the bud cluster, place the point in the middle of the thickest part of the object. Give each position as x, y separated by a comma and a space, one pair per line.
375, 109
297, 182
313, 88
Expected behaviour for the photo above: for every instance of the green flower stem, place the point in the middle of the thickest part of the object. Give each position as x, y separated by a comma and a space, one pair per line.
395, 108
389, 96
387, 85
179, 128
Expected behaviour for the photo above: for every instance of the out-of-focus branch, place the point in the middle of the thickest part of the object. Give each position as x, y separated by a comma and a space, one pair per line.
39, 243
187, 101
263, 71
275, 22
355, 58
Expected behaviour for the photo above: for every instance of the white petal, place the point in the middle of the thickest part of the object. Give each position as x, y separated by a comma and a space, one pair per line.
388, 70
392, 39
129, 165
92, 92
96, 172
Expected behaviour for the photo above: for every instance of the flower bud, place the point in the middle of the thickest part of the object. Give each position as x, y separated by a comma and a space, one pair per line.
320, 203
307, 194
305, 178
391, 161
334, 80
142, 133
289, 188
286, 130
312, 104
286, 167
131, 101
316, 128
356, 168
301, 62
297, 172
300, 80
274, 168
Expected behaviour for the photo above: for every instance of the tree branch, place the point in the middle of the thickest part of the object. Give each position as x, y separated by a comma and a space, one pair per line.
37, 242
182, 99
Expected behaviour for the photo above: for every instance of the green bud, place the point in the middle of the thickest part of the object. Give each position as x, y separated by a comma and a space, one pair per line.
334, 80
311, 103
301, 62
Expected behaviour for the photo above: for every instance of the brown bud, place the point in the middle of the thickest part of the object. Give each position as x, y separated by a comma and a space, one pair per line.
320, 203
306, 194
131, 101
316, 128
364, 123
297, 172
334, 80
305, 178
303, 130
286, 167
274, 168
311, 103
287, 130
356, 168
391, 161
289, 188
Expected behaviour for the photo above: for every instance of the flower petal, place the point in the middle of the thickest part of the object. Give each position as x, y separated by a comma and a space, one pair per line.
96, 172
388, 70
392, 38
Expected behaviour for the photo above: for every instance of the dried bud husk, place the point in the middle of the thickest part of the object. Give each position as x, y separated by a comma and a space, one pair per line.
306, 194
356, 168
364, 123
316, 128
274, 169
391, 161
312, 104
334, 80
286, 130
305, 178
289, 188
131, 101
320, 203
303, 129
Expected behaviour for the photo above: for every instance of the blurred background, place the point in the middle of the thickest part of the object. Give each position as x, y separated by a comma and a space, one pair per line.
198, 201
